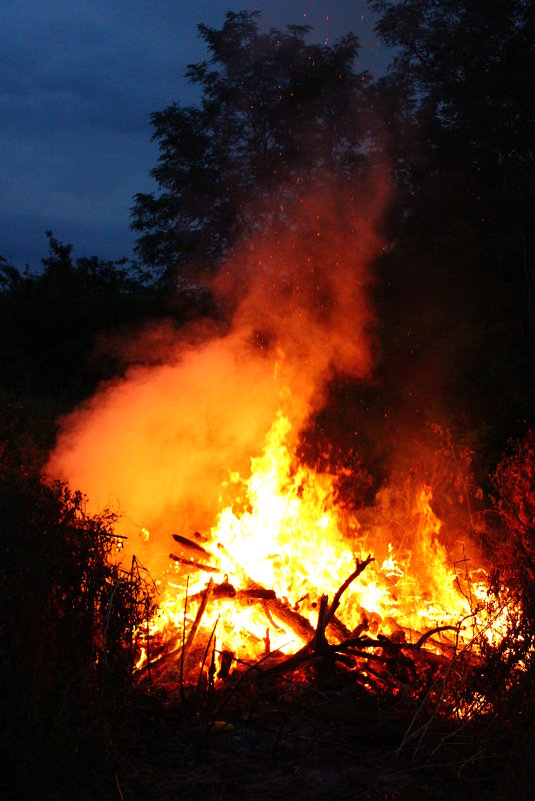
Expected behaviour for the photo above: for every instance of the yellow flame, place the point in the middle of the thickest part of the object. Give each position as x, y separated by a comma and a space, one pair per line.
283, 531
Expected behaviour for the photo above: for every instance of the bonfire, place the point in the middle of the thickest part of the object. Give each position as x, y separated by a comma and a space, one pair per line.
263, 566
287, 577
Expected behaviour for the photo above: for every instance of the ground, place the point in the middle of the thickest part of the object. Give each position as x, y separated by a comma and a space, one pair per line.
299, 741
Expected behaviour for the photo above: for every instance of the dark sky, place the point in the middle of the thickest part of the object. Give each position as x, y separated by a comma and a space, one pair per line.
77, 85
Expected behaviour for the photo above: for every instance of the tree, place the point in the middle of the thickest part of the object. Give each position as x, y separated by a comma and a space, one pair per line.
50, 321
471, 66
463, 71
276, 115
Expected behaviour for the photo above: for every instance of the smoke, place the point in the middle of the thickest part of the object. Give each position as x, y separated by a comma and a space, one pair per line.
158, 444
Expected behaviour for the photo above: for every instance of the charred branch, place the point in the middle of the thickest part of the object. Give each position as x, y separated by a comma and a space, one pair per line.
360, 567
198, 618
189, 547
192, 565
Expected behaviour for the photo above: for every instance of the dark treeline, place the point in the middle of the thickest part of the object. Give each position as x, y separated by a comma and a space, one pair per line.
453, 123
57, 329
457, 285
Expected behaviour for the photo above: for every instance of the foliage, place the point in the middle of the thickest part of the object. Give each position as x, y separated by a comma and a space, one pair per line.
500, 689
68, 615
277, 116
50, 323
514, 482
470, 67
459, 279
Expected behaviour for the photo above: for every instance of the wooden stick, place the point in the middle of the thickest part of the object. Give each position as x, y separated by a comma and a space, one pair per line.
194, 565
361, 566
273, 605
198, 617
189, 545
287, 616
319, 642
290, 618
429, 634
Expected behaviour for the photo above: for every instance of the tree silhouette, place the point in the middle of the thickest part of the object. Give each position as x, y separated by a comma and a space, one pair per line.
50, 321
463, 133
277, 115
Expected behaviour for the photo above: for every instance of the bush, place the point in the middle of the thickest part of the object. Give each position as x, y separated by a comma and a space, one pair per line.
503, 683
69, 613
513, 581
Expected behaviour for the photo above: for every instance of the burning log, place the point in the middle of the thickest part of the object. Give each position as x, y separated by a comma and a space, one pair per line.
256, 593
198, 618
188, 546
360, 567
227, 592
192, 555
382, 661
290, 618
192, 565
315, 639
317, 644
275, 609
227, 658
388, 662
273, 605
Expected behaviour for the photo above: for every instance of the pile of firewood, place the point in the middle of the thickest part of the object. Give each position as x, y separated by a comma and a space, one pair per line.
383, 664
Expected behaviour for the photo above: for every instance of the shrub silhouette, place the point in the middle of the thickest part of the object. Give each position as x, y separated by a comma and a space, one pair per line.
69, 613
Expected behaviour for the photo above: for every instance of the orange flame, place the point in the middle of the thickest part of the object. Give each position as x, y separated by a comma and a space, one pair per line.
284, 531
171, 444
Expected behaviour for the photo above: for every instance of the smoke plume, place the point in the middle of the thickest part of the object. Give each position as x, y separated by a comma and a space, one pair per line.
158, 444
